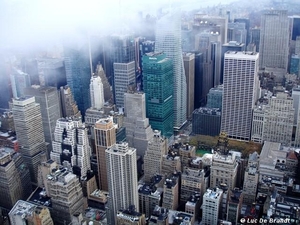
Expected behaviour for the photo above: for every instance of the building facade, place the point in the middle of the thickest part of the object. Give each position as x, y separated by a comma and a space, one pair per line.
240, 68
211, 206
157, 80
122, 179
189, 69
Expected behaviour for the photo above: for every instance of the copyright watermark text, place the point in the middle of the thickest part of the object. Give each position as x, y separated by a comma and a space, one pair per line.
262, 220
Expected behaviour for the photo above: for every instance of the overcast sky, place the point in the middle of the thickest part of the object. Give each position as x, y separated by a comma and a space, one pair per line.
31, 22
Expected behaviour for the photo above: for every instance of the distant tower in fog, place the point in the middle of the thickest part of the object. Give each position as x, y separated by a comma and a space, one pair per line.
96, 92
274, 39
168, 40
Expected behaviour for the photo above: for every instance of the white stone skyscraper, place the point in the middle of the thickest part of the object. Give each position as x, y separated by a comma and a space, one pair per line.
241, 85
168, 40
96, 92
274, 39
122, 179
138, 129
71, 144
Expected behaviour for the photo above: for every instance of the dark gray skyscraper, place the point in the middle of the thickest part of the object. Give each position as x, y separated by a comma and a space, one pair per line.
274, 39
168, 40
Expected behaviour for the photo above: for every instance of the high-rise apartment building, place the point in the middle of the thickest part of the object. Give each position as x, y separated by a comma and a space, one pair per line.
274, 39
105, 137
251, 179
124, 75
19, 81
30, 134
71, 145
189, 68
69, 107
47, 97
168, 40
241, 85
96, 92
138, 130
157, 80
211, 206
157, 147
122, 179
14, 177
171, 192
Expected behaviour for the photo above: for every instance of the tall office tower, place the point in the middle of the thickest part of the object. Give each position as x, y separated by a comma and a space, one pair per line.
251, 179
224, 169
189, 69
71, 144
131, 217
274, 39
138, 130
214, 97
96, 92
296, 103
69, 107
157, 147
30, 134
122, 178
230, 46
246, 21
15, 178
19, 81
211, 206
145, 47
47, 97
51, 72
78, 73
297, 45
168, 40
206, 121
295, 65
209, 43
255, 37
237, 32
27, 213
171, 192
200, 89
124, 75
157, 80
279, 119
240, 68
192, 180
105, 137
63, 187
294, 27
5, 80
108, 95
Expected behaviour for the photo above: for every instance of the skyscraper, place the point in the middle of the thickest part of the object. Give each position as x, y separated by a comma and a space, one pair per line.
168, 40
30, 134
122, 178
69, 107
240, 93
19, 81
96, 92
157, 148
105, 137
237, 32
78, 73
189, 67
157, 80
138, 130
274, 39
47, 97
71, 144
124, 75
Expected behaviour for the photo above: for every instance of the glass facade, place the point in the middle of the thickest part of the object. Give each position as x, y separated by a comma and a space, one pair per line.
295, 65
158, 83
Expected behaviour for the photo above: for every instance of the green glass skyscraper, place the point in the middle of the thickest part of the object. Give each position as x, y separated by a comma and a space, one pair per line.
158, 87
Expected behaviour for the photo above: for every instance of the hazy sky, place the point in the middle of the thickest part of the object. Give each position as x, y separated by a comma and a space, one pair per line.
31, 22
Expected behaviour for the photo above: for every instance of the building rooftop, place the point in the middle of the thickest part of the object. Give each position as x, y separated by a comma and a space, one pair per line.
208, 111
241, 55
177, 217
159, 214
214, 193
22, 208
39, 197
